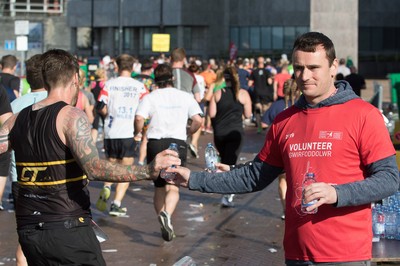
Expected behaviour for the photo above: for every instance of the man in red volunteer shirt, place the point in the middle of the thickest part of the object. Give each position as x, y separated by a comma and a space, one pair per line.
335, 137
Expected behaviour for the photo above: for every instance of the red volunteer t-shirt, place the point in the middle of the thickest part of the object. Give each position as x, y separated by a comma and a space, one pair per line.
330, 142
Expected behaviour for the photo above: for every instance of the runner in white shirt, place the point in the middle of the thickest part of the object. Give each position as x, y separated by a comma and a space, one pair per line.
169, 110
120, 98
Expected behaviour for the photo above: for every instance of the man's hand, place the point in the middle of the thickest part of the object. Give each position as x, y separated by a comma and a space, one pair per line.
322, 192
163, 160
182, 177
221, 167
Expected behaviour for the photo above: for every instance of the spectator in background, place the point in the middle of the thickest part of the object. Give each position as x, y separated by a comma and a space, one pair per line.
342, 68
263, 93
37, 93
356, 81
280, 79
8, 78
228, 105
244, 75
194, 143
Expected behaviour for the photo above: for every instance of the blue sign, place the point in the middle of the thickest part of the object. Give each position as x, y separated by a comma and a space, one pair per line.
9, 45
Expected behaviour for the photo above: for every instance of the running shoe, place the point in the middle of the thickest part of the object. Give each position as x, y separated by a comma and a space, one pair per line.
167, 231
1, 206
193, 151
101, 203
117, 211
227, 200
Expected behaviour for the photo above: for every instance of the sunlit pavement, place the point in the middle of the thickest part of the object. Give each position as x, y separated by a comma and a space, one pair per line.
249, 234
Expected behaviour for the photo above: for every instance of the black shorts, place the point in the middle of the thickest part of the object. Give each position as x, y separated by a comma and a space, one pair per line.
61, 246
263, 99
5, 161
120, 148
154, 146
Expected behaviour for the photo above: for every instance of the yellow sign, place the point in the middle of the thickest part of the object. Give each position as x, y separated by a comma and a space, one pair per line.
160, 42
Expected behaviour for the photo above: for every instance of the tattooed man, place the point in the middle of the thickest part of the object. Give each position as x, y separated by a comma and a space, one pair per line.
55, 158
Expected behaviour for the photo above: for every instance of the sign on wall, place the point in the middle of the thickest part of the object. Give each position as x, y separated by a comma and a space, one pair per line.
160, 42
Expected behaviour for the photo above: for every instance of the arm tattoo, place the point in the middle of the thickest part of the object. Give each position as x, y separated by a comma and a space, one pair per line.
79, 140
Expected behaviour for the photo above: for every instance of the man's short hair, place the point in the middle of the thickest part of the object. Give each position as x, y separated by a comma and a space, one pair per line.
125, 62
34, 72
146, 65
58, 68
308, 42
163, 75
9, 61
178, 54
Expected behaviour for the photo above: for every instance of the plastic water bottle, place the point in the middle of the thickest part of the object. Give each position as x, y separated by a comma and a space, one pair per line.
185, 261
398, 223
390, 223
308, 180
211, 157
378, 220
168, 175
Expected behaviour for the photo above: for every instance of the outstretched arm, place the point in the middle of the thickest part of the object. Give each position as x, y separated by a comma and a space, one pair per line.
76, 133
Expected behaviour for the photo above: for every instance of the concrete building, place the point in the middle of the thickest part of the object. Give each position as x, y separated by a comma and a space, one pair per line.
367, 31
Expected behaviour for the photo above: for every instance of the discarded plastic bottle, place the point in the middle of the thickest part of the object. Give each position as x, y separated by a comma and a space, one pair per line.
168, 175
185, 261
211, 157
308, 180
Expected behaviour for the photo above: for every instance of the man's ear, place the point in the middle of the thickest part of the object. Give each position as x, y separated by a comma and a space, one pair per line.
334, 68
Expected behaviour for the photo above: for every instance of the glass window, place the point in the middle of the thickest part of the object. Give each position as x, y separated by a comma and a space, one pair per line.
389, 38
244, 38
277, 37
83, 37
266, 40
234, 32
35, 35
301, 30
128, 38
376, 39
289, 37
187, 38
255, 41
147, 37
364, 37
173, 33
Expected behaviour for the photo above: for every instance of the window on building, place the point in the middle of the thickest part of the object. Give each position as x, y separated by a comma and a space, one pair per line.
147, 37
244, 38
277, 38
289, 35
128, 43
255, 38
266, 38
234, 35
173, 33
187, 38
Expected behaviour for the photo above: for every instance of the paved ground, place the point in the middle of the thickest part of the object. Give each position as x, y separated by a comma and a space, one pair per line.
249, 234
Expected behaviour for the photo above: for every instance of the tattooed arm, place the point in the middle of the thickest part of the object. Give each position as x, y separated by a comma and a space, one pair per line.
4, 131
74, 130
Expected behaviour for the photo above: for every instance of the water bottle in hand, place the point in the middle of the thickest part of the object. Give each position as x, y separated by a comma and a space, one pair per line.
168, 176
211, 157
308, 180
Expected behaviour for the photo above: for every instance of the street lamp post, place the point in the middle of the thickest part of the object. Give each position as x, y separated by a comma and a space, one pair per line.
92, 28
120, 30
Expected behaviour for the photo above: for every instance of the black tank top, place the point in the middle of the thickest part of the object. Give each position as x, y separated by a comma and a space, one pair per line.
51, 185
229, 114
